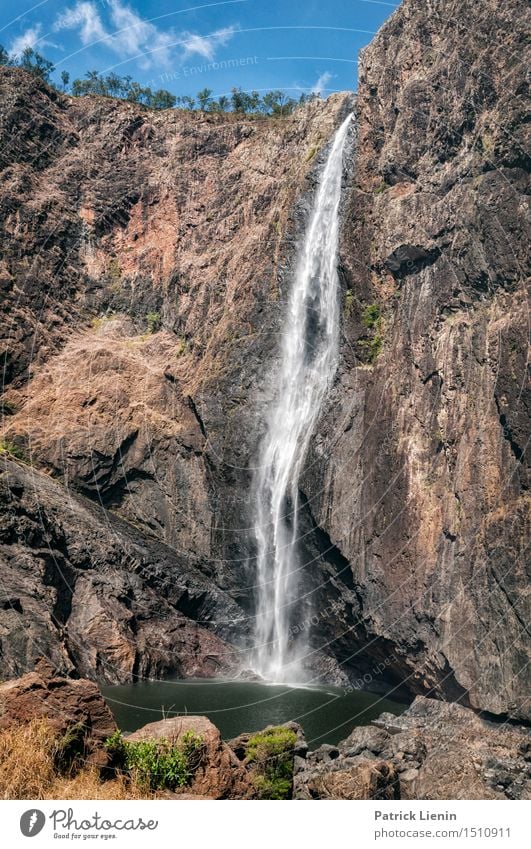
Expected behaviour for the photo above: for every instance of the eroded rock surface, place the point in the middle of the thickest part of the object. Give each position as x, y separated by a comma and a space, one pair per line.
418, 474
65, 703
97, 596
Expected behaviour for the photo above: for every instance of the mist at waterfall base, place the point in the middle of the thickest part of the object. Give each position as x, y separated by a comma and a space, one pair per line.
326, 714
308, 361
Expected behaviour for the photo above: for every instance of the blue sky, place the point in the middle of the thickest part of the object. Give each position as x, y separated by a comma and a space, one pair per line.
183, 46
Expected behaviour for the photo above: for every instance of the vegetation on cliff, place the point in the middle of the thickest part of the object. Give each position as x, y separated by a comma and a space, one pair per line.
274, 103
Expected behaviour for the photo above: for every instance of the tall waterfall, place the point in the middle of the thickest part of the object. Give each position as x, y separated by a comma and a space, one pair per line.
308, 363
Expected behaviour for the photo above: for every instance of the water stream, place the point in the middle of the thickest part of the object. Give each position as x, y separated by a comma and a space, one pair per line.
308, 361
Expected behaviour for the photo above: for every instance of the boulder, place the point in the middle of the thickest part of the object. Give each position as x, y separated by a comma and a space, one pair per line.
220, 774
239, 744
63, 701
434, 750
365, 738
352, 778
74, 708
458, 754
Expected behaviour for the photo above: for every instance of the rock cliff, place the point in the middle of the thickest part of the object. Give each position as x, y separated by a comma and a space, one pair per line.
418, 474
146, 261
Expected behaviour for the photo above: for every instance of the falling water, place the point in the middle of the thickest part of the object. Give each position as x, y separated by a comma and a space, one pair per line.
308, 364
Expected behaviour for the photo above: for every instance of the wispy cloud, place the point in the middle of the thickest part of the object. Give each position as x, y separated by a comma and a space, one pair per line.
206, 45
85, 18
30, 38
322, 82
132, 37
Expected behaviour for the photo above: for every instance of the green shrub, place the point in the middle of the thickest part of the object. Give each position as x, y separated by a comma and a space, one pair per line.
153, 321
69, 750
157, 764
180, 350
375, 346
349, 302
271, 753
371, 316
381, 188
371, 347
7, 408
10, 449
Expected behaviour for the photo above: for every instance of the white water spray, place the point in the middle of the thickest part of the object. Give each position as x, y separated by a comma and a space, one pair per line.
309, 352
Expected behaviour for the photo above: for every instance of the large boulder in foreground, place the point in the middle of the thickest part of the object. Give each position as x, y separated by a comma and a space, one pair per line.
74, 708
63, 701
220, 775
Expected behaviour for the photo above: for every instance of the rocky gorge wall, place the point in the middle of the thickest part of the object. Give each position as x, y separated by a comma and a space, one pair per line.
418, 474
146, 261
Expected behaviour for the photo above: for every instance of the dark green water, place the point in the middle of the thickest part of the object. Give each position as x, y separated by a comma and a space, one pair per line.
327, 715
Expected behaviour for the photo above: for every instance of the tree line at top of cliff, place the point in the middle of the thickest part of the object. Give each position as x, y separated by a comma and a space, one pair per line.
274, 103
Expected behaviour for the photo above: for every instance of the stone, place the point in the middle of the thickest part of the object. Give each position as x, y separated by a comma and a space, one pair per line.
324, 754
355, 778
124, 605
366, 737
220, 774
64, 702
408, 782
446, 751
437, 751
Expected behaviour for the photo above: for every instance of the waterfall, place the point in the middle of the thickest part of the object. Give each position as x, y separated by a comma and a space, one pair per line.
309, 352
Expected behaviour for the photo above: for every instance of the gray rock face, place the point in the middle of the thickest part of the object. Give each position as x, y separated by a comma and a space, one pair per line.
418, 473
96, 596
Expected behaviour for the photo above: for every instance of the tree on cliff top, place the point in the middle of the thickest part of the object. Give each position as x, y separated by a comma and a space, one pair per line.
273, 103
30, 60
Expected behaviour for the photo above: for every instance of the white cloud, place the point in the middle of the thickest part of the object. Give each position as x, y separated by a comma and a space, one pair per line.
31, 38
206, 45
85, 18
133, 37
322, 82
